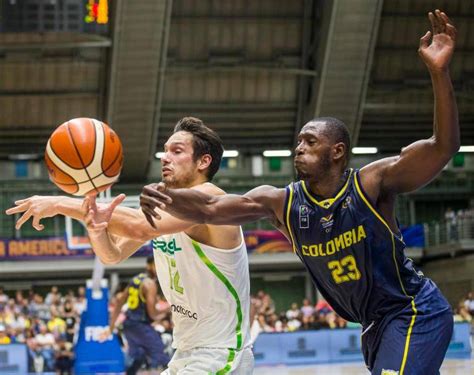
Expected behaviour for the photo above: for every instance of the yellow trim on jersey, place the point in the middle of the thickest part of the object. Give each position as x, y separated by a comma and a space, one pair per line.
407, 342
366, 201
326, 203
413, 306
288, 208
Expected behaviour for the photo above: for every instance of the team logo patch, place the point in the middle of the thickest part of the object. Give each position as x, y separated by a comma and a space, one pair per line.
346, 202
166, 247
389, 372
304, 217
327, 222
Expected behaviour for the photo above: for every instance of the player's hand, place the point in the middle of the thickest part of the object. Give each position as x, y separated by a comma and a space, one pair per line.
105, 335
37, 207
437, 54
97, 217
153, 196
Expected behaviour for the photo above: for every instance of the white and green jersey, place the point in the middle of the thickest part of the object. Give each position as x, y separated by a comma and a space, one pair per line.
208, 290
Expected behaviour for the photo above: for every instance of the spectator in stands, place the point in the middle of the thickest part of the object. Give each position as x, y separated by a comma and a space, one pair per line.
46, 342
56, 325
294, 312
70, 318
3, 297
469, 303
64, 357
53, 296
307, 309
451, 224
80, 303
4, 338
323, 307
39, 309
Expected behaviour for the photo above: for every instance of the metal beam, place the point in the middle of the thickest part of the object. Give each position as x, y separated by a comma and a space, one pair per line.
136, 79
344, 59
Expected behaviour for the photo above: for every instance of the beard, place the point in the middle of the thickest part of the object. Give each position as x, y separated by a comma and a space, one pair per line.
319, 170
177, 183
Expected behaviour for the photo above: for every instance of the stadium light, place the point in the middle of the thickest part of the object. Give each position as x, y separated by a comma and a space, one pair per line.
230, 154
276, 153
159, 155
364, 150
466, 149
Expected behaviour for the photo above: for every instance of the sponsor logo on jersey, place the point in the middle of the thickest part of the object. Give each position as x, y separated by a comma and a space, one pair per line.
166, 247
336, 244
183, 311
389, 372
327, 222
304, 217
346, 202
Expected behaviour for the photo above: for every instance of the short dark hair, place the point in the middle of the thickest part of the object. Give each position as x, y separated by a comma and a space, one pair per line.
205, 141
337, 132
150, 259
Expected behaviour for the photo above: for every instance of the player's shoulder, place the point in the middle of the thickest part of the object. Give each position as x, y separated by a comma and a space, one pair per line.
209, 188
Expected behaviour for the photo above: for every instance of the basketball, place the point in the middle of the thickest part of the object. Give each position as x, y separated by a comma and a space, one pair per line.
83, 156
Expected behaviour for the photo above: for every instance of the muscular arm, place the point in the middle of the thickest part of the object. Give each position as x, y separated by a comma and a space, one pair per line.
423, 160
230, 209
121, 299
150, 291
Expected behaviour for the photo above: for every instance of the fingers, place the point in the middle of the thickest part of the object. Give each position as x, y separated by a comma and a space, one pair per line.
36, 223
440, 21
425, 40
21, 207
91, 224
149, 219
451, 31
117, 200
434, 23
22, 220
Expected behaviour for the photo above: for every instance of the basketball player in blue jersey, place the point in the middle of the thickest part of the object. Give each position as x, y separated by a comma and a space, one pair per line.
144, 342
341, 224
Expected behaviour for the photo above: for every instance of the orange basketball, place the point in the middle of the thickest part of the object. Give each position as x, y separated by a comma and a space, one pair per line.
83, 156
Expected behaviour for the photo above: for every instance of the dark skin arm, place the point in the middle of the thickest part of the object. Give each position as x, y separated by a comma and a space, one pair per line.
263, 202
417, 164
421, 161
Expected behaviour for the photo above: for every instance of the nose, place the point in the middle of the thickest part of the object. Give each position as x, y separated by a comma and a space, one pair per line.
299, 150
165, 158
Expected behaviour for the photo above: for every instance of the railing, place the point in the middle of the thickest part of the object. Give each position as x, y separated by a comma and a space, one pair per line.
449, 231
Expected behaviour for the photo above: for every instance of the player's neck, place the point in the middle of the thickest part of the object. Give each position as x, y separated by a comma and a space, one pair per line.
329, 185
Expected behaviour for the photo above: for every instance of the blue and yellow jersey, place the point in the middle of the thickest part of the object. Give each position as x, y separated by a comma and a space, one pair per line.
136, 301
356, 261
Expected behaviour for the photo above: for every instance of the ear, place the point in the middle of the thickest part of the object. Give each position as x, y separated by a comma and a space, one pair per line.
204, 162
339, 151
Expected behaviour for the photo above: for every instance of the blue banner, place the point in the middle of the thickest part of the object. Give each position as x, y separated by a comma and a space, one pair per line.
93, 356
339, 345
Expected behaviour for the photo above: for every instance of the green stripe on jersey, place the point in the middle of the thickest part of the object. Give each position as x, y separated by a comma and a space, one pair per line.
230, 288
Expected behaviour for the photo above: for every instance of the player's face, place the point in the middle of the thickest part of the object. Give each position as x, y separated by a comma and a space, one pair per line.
178, 168
313, 152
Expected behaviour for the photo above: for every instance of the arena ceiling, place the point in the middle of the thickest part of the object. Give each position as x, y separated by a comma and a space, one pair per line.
255, 71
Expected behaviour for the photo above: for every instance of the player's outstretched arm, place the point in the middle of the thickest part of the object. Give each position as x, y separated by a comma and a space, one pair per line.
423, 160
198, 207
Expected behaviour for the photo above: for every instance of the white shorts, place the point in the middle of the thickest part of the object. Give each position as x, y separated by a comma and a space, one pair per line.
211, 360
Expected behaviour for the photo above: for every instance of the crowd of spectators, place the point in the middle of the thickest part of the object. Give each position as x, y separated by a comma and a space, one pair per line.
304, 317
464, 311
47, 326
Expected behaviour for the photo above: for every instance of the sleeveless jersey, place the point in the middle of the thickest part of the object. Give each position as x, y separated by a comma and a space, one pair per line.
135, 301
355, 260
208, 290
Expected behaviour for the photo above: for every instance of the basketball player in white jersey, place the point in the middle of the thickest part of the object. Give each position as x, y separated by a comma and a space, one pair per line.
202, 269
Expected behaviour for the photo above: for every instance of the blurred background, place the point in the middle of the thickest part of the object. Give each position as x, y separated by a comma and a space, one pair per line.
253, 70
